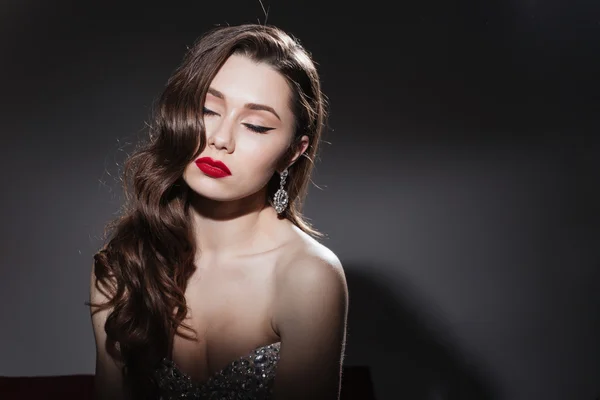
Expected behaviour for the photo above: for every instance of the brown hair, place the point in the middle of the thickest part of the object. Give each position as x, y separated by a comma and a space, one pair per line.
145, 265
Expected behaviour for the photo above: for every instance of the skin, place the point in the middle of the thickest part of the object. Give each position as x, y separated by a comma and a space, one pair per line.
259, 279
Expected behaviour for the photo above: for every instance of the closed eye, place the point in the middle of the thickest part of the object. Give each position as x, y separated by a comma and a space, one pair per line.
258, 128
254, 128
206, 111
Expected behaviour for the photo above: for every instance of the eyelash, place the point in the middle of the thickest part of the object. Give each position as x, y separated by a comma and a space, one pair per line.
253, 128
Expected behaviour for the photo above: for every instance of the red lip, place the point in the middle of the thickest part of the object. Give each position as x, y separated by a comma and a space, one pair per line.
213, 168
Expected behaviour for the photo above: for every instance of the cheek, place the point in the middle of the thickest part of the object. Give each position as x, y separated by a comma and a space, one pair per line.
261, 163
263, 154
187, 171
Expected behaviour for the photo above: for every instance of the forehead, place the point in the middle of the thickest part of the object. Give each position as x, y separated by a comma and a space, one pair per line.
244, 80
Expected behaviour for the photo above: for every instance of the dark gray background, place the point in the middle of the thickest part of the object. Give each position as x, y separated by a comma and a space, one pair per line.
459, 184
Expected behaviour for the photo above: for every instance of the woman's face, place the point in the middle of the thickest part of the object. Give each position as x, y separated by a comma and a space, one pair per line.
249, 127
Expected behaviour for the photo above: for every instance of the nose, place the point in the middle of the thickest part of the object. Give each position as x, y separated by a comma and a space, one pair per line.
221, 137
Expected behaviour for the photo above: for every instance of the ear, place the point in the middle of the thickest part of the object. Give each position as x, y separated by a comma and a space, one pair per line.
300, 149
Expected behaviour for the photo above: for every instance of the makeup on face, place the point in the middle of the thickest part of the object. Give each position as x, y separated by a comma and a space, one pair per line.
212, 168
209, 111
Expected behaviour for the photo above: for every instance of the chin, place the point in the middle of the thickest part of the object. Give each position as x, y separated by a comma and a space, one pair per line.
224, 189
204, 190
210, 191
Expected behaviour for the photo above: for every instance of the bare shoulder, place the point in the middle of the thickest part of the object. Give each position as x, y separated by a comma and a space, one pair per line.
309, 315
108, 380
310, 280
309, 259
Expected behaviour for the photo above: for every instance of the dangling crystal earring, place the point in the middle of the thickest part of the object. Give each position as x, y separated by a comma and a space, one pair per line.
281, 197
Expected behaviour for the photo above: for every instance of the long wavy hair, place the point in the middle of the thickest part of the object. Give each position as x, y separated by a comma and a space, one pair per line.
144, 267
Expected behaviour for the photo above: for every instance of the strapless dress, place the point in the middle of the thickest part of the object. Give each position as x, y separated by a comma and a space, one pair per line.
248, 378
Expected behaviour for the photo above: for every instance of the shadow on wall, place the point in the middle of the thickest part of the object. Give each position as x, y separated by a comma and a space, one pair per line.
408, 360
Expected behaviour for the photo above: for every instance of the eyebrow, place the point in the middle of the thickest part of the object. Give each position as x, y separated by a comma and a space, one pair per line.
250, 106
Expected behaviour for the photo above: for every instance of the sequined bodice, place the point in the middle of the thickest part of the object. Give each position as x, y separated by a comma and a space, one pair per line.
248, 378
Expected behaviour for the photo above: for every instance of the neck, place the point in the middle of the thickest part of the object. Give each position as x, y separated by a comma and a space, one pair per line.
225, 229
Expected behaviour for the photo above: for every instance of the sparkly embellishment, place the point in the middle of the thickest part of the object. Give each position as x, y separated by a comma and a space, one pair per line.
281, 199
247, 378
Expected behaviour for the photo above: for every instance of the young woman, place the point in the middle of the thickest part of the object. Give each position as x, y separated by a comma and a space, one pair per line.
212, 285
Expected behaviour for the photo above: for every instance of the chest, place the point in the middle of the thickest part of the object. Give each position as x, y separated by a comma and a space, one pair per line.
230, 308
233, 290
